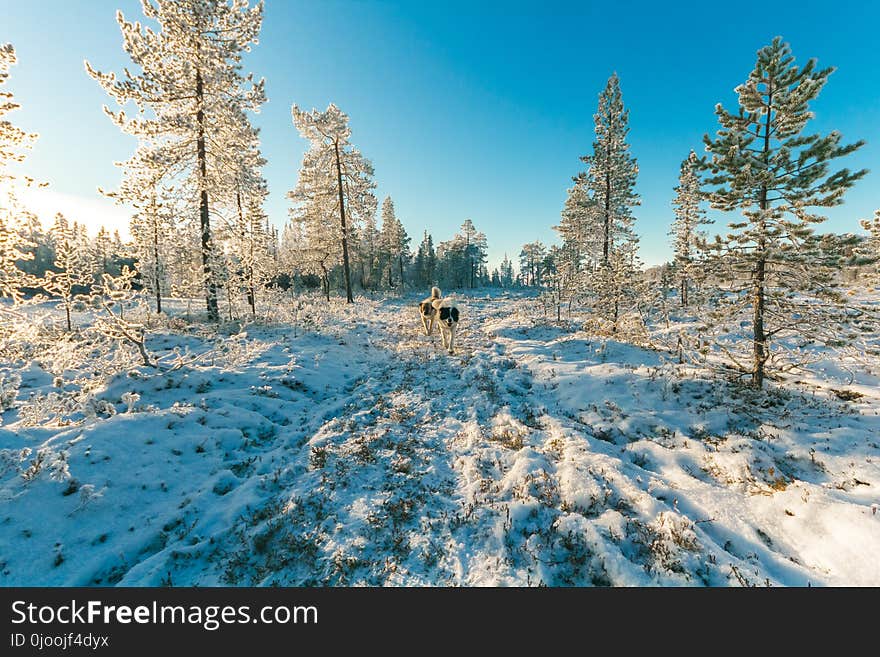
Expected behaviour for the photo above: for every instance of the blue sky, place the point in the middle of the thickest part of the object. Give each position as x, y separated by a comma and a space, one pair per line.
467, 109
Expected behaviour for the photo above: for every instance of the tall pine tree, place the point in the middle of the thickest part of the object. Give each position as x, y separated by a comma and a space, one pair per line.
335, 170
764, 166
191, 96
610, 181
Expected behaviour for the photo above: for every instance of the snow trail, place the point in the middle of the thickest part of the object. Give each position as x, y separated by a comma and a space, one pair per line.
363, 454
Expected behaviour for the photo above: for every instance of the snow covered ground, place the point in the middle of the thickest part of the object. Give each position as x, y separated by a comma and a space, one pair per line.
354, 451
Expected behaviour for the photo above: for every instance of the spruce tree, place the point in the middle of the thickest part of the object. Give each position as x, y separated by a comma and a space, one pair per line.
765, 167
390, 240
506, 272
368, 251
426, 261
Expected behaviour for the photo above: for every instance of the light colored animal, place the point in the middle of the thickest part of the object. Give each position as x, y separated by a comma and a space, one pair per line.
427, 311
447, 320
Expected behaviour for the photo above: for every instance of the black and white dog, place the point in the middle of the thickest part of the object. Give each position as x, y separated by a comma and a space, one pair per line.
447, 320
436, 309
427, 311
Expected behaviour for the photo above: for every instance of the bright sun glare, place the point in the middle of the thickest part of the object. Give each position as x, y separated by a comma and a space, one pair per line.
93, 212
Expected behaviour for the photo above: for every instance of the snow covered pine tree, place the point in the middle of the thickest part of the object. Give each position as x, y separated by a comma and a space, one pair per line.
610, 179
764, 167
686, 233
192, 88
333, 172
13, 248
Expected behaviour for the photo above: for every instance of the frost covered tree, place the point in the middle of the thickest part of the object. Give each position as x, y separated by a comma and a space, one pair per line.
35, 243
101, 252
152, 230
111, 294
597, 221
475, 250
368, 252
611, 178
393, 243
334, 175
505, 272
254, 265
869, 251
686, 232
425, 265
581, 245
313, 238
71, 268
531, 263
765, 167
14, 248
191, 96
250, 263
13, 140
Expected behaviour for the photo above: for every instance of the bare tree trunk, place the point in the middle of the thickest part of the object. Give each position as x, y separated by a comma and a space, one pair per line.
759, 336
249, 271
204, 216
606, 243
157, 278
345, 268
325, 280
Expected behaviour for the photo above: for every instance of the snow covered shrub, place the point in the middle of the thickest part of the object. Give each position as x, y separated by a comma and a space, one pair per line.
87, 495
597, 326
93, 408
22, 335
9, 385
631, 327
237, 350
130, 399
47, 410
111, 295
668, 544
10, 459
48, 459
